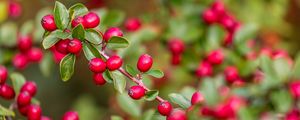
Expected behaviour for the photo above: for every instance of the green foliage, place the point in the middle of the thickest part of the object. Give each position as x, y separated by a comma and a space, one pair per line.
61, 16
155, 73
67, 65
151, 95
116, 42
180, 100
128, 105
18, 80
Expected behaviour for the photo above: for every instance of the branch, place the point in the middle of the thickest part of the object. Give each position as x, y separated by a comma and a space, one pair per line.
134, 79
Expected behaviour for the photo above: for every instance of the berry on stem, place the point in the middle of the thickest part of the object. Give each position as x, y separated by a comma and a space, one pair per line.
114, 63
48, 23
70, 115
215, 57
35, 54
20, 61
34, 112
78, 20
74, 46
113, 31
7, 92
177, 114
204, 69
24, 99
144, 63
91, 20
176, 59
97, 65
209, 16
98, 79
62, 46
197, 97
164, 108
132, 24
136, 92
24, 43
3, 74
176, 46
29, 87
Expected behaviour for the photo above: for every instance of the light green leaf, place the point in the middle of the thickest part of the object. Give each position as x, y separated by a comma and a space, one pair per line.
77, 10
155, 73
277, 98
18, 81
113, 18
78, 32
245, 33
116, 42
282, 68
180, 100
93, 36
209, 90
53, 38
61, 15
119, 81
128, 105
6, 112
46, 64
67, 65
296, 67
90, 51
114, 117
132, 71
27, 28
148, 114
8, 34
151, 95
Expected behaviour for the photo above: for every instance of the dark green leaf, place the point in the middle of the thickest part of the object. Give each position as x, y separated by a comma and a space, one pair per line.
108, 76
6, 112
93, 36
78, 32
46, 64
17, 80
114, 117
77, 10
148, 114
116, 42
67, 65
119, 81
151, 95
128, 105
61, 15
155, 73
180, 100
53, 38
90, 51
132, 71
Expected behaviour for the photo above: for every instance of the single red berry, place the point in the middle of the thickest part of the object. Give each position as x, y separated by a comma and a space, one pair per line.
113, 31
228, 40
215, 57
91, 19
294, 88
23, 109
228, 23
231, 74
136, 92
24, 99
29, 87
3, 74
20, 61
71, 115
62, 46
98, 79
45, 118
206, 111
97, 65
176, 46
218, 8
177, 114
209, 16
7, 92
224, 111
204, 70
78, 20
176, 59
144, 63
114, 63
14, 9
48, 23
24, 43
35, 54
197, 97
74, 46
132, 24
293, 114
34, 112
164, 108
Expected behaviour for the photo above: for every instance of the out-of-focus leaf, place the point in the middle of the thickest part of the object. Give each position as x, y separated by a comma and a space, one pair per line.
277, 98
116, 42
67, 65
296, 68
128, 105
61, 15
113, 18
8, 34
187, 92
77, 10
93, 36
180, 100
148, 114
214, 37
108, 76
132, 71
6, 112
245, 113
155, 73
114, 117
17, 80
282, 68
119, 81
27, 27
151, 95
245, 33
209, 90
46, 64
78, 32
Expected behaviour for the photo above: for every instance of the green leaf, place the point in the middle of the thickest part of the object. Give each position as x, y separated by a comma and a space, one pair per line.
270, 77
180, 100
77, 10
67, 65
53, 38
296, 67
151, 95
119, 81
245, 33
114, 117
209, 90
277, 98
116, 42
132, 71
155, 73
213, 39
27, 28
245, 113
108, 76
35, 101
18, 81
46, 64
148, 114
6, 112
113, 18
61, 15
90, 51
93, 36
282, 68
128, 105
78, 32
8, 34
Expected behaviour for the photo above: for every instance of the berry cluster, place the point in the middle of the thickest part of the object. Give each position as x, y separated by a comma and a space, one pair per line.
215, 57
176, 46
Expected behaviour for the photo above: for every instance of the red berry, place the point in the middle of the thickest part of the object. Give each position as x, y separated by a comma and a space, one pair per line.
176, 59
24, 99
231, 74
204, 70
45, 118
91, 20
294, 88
215, 57
29, 87
74, 46
228, 23
98, 79
62, 46
23, 109
7, 92
293, 114
34, 112
78, 20
144, 63
209, 16
164, 108
177, 114
71, 115
35, 54
113, 31
176, 46
48, 23
136, 92
224, 112
218, 8
20, 61
97, 65
24, 43
114, 63
228, 39
197, 97
132, 24
15, 9
3, 74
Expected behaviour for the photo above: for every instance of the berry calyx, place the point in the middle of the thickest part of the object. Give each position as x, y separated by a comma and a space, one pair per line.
20, 61
29, 87
62, 46
3, 74
176, 46
74, 46
136, 92
164, 108
35, 54
113, 31
34, 112
144, 63
78, 20
197, 97
97, 65
177, 114
231, 74
48, 23
91, 20
132, 24
24, 99
204, 70
215, 57
209, 16
7, 92
24, 43
114, 63
70, 115
98, 79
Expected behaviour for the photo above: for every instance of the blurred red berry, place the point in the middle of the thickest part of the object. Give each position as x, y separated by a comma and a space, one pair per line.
231, 74
197, 97
144, 63
215, 57
97, 65
177, 114
293, 114
136, 92
98, 79
164, 108
294, 88
176, 59
29, 87
14, 9
132, 24
218, 8
3, 74
48, 23
204, 70
176, 46
24, 43
24, 99
62, 46
209, 16
7, 92
70, 115
34, 112
23, 109
35, 54
78, 20
113, 31
20, 61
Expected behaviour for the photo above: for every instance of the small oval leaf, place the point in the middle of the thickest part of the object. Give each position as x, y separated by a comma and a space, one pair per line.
119, 81
180, 100
77, 10
131, 70
17, 80
53, 38
93, 36
151, 95
90, 51
155, 73
78, 32
116, 42
61, 15
67, 65
108, 76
